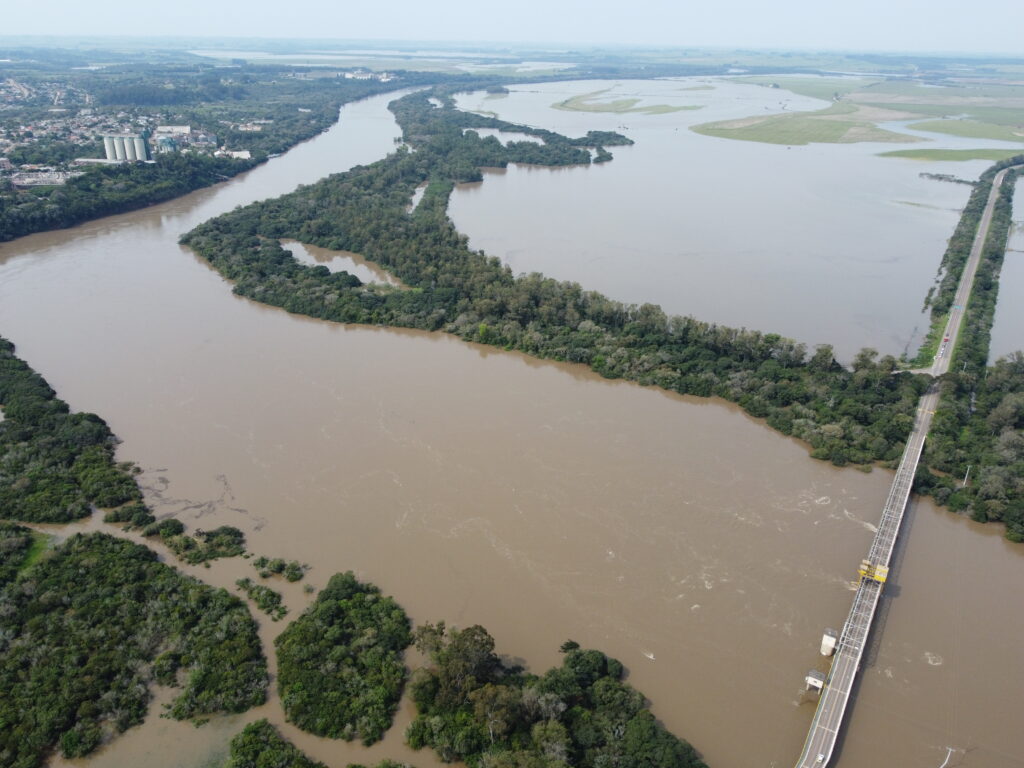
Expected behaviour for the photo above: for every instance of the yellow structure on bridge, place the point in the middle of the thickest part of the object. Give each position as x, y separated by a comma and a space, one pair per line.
869, 570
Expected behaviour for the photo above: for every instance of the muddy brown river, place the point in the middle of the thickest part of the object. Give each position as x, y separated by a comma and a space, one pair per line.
701, 548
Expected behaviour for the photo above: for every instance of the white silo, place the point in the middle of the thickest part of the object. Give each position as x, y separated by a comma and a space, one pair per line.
140, 148
119, 153
129, 148
108, 146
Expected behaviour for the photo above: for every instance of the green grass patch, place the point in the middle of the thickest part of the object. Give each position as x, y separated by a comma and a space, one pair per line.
955, 155
930, 346
971, 129
40, 543
816, 87
821, 127
589, 102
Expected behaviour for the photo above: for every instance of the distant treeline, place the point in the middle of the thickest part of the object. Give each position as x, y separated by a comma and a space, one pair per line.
293, 110
109, 189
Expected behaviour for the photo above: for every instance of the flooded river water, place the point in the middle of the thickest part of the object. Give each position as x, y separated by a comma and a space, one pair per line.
824, 243
1008, 323
701, 548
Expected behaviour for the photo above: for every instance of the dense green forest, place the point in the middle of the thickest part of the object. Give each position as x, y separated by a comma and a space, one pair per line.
84, 631
259, 745
848, 416
53, 463
979, 424
340, 670
473, 708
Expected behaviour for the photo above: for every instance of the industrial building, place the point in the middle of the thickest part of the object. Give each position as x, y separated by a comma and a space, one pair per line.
126, 147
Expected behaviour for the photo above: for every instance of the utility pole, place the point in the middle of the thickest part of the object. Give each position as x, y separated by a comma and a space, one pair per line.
965, 476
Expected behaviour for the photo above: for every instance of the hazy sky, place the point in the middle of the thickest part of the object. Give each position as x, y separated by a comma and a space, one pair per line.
985, 26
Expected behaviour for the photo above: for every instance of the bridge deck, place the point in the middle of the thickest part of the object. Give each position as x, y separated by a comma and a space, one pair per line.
835, 695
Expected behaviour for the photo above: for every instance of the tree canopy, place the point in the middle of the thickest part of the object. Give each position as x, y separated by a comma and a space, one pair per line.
85, 631
340, 670
473, 708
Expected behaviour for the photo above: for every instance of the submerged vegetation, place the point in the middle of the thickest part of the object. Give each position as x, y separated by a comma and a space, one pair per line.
54, 464
292, 570
473, 708
839, 123
224, 541
340, 670
259, 745
593, 102
266, 599
955, 155
85, 630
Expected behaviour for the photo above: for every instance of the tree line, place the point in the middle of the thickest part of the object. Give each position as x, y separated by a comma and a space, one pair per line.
54, 464
976, 444
858, 416
473, 708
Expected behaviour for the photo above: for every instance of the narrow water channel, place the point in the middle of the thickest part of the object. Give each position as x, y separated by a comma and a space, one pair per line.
1008, 324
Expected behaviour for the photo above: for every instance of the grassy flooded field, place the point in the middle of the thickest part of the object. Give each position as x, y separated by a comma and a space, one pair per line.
981, 110
841, 123
972, 129
592, 102
825, 88
955, 155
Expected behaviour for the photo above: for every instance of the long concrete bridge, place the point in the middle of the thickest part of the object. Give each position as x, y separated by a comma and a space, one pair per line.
849, 649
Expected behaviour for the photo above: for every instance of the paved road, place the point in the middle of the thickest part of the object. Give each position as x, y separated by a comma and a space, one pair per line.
835, 696
952, 331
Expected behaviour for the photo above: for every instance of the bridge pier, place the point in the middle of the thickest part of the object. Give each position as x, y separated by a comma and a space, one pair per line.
815, 680
828, 642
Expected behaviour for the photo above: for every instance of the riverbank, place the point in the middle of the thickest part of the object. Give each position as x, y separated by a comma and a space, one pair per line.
108, 190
